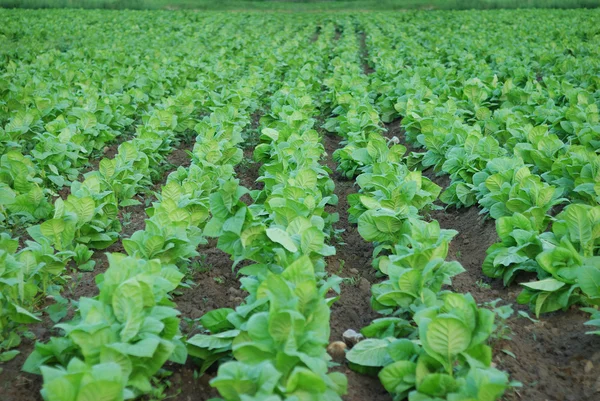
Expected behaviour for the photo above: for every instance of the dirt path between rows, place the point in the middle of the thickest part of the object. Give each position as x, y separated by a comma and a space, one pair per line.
352, 261
364, 54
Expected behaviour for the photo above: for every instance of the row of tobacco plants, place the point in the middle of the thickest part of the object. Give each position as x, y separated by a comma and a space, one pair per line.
431, 343
87, 216
510, 115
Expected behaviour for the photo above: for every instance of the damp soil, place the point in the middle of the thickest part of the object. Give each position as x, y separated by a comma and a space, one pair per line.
316, 35
338, 33
248, 170
353, 263
553, 357
213, 285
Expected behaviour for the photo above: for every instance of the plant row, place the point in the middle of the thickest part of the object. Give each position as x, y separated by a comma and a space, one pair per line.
431, 343
120, 338
88, 218
53, 124
56, 124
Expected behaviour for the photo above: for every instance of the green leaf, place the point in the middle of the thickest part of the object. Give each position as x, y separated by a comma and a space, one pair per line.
579, 226
270, 133
369, 202
402, 349
58, 231
216, 320
279, 236
549, 284
312, 240
128, 303
212, 342
8, 355
307, 179
100, 390
83, 207
589, 280
448, 336
437, 385
21, 315
398, 377
236, 223
370, 352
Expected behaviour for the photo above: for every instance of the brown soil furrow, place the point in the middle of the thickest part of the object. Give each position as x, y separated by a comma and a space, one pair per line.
338, 33
364, 52
316, 35
213, 285
353, 262
248, 170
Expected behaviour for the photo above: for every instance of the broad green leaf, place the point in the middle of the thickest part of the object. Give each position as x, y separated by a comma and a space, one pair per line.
281, 237
448, 336
370, 352
589, 279
549, 284
398, 377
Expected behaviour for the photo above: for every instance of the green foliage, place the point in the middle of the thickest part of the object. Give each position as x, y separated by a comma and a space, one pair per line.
132, 322
278, 336
120, 338
504, 191
520, 244
416, 268
285, 343
430, 342
450, 361
567, 262
513, 136
514, 125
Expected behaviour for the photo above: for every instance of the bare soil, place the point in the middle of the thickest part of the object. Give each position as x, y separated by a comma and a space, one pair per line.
248, 170
216, 286
352, 261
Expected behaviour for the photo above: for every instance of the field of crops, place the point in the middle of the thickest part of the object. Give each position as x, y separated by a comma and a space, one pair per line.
299, 206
